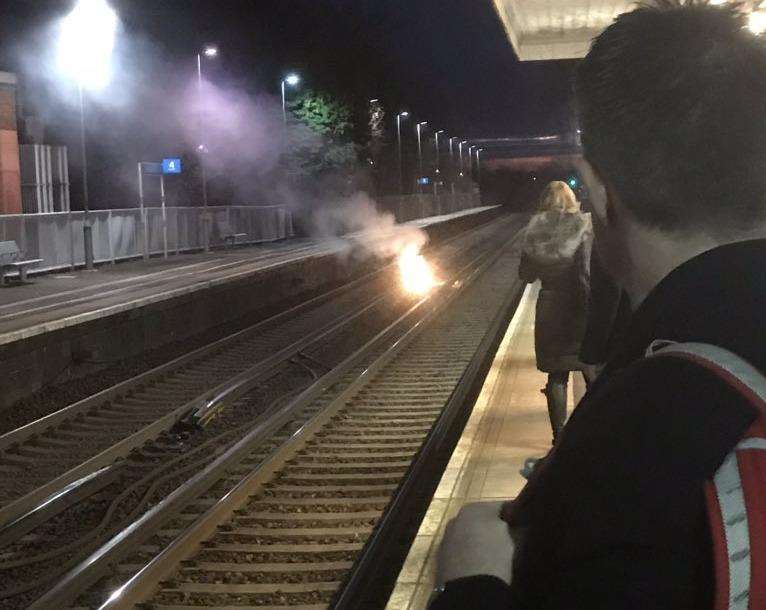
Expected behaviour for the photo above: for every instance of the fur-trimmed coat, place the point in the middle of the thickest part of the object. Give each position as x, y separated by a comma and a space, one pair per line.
556, 250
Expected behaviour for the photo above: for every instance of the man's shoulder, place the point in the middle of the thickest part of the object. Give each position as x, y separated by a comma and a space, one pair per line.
665, 405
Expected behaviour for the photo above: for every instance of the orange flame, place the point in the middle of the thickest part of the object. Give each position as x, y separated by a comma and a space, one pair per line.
416, 274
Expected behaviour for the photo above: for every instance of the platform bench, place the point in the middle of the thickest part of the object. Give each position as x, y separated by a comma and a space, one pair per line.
231, 239
11, 261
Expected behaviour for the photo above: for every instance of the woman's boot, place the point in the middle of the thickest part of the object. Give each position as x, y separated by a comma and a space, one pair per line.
556, 393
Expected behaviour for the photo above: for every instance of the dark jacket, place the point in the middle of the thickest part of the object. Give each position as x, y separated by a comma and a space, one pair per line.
607, 318
556, 251
615, 517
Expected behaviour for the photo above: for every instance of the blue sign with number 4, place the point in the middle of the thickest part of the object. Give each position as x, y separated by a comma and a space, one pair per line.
171, 166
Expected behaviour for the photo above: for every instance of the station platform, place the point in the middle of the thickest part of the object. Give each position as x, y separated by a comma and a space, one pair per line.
509, 423
57, 300
122, 310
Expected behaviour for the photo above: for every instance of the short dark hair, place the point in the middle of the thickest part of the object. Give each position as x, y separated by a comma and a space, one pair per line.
672, 103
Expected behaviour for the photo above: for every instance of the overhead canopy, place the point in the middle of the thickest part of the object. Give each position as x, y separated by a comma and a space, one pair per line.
556, 29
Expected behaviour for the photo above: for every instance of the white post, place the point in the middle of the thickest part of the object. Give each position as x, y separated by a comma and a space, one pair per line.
141, 210
284, 104
164, 218
109, 236
23, 244
36, 148
71, 239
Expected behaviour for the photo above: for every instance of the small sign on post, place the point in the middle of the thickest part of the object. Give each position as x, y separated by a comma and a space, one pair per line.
151, 168
171, 166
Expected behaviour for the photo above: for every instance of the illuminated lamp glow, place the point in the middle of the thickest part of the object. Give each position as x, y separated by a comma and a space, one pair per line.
756, 22
86, 42
293, 79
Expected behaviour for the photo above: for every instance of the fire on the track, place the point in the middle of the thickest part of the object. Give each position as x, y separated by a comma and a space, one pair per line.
416, 273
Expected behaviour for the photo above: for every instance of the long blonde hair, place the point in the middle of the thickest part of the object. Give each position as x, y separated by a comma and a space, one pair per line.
558, 197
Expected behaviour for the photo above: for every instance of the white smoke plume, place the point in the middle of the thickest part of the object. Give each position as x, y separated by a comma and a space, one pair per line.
366, 229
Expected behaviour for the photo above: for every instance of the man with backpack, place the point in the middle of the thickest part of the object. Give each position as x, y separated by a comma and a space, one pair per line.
655, 495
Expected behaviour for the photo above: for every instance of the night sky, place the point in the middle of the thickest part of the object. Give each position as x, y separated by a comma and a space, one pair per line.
448, 61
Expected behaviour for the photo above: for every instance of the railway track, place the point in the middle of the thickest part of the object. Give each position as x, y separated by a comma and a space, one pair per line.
287, 516
42, 458
152, 472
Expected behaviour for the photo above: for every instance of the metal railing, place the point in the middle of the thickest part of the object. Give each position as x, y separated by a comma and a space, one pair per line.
412, 207
121, 234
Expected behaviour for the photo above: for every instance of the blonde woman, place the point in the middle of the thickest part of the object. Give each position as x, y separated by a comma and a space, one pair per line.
556, 251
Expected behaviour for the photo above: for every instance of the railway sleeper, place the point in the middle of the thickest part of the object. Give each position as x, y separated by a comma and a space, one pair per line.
208, 566
388, 459
201, 587
213, 546
305, 517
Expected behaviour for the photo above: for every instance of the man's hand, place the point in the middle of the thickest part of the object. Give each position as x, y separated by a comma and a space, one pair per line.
476, 542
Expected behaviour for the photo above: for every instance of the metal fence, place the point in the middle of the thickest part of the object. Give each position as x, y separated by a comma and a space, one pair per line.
57, 238
122, 234
412, 207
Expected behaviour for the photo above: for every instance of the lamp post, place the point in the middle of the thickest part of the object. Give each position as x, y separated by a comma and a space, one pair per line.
452, 153
85, 44
399, 117
470, 158
478, 165
419, 129
436, 140
292, 80
460, 148
210, 52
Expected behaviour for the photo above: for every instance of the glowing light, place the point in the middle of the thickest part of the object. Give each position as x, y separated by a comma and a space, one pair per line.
756, 22
404, 114
86, 42
211, 51
292, 79
416, 274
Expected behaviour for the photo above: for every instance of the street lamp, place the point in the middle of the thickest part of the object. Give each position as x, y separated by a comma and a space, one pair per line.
436, 139
470, 158
460, 149
478, 165
85, 45
452, 153
292, 80
419, 129
399, 117
210, 52
756, 22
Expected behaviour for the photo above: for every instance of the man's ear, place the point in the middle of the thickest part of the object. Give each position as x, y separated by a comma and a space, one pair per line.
598, 195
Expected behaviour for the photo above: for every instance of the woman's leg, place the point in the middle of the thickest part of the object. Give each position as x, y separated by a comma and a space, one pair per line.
556, 393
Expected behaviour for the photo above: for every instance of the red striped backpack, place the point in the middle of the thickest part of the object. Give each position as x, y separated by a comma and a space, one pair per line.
736, 496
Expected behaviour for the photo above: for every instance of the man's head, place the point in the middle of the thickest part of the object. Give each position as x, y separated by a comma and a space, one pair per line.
672, 101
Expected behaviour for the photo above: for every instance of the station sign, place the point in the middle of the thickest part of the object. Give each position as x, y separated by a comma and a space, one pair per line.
424, 180
171, 166
151, 168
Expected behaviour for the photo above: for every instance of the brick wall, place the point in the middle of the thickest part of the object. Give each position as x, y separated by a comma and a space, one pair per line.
10, 173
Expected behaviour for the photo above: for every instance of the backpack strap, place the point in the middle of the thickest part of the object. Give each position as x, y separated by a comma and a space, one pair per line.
735, 504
